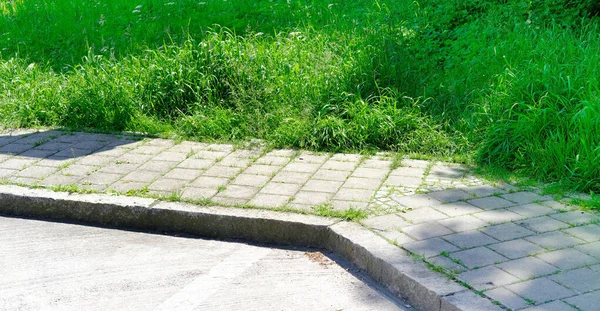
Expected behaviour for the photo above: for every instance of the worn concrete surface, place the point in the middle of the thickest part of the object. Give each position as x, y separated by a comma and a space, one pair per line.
58, 266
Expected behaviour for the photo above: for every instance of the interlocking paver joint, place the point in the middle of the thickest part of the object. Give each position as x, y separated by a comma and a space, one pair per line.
518, 248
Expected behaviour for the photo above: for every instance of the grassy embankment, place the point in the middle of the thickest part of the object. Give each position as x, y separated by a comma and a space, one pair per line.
509, 83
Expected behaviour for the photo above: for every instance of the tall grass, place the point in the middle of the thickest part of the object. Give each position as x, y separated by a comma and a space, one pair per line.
510, 83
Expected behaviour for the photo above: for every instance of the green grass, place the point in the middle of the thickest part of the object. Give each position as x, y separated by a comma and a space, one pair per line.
509, 84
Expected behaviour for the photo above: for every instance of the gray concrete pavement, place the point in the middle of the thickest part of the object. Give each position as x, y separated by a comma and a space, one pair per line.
58, 266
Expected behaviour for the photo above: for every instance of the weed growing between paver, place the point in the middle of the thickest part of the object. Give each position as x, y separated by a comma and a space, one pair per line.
512, 85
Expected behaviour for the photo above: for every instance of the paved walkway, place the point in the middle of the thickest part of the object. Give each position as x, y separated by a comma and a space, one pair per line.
523, 250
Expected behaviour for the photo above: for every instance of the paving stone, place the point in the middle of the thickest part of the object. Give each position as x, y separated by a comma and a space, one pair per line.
222, 171
238, 192
595, 267
540, 290
251, 180
532, 210
568, 258
220, 148
211, 155
576, 218
516, 248
235, 162
276, 161
95, 160
346, 157
331, 175
524, 197
362, 183
170, 156
377, 164
188, 147
582, 280
322, 186
73, 153
498, 216
339, 166
111, 152
15, 148
507, 298
559, 206
118, 168
22, 180
542, 224
58, 180
346, 194
588, 233
396, 237
491, 203
194, 163
269, 200
487, 277
312, 198
447, 264
426, 230
469, 239
457, 209
148, 150
229, 201
185, 174
300, 207
462, 223
590, 249
403, 181
528, 267
142, 176
346, 205
417, 172
281, 188
430, 248
123, 186
291, 177
16, 164
554, 240
282, 153
193, 193
418, 200
448, 196
301, 167
478, 257
37, 172
423, 214
132, 158
482, 190
415, 163
4, 173
33, 153
313, 158
370, 173
157, 166
552, 306
586, 302
90, 145
99, 178
384, 222
261, 169
443, 171
507, 231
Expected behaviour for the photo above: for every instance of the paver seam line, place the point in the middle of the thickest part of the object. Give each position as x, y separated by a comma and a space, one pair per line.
53, 204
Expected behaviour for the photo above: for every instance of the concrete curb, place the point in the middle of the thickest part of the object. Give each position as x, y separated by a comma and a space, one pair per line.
387, 264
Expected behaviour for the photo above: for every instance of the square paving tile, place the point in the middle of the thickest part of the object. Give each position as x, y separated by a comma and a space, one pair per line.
509, 231
167, 184
498, 216
339, 165
281, 188
312, 198
251, 180
301, 167
589, 301
238, 192
554, 240
576, 218
556, 305
491, 203
347, 194
269, 200
447, 196
582, 280
403, 181
331, 175
528, 267
426, 230
483, 190
17, 164
590, 249
408, 171
423, 214
396, 237
457, 209
370, 173
568, 258
507, 298
346, 205
197, 164
524, 197
99, 178
37, 172
430, 248
478, 257
58, 180
418, 200
271, 160
185, 174
542, 224
261, 169
322, 186
462, 223
470, 239
588, 233
291, 177
362, 183
516, 248
222, 171
158, 166
125, 186
541, 290
532, 210
142, 176
192, 193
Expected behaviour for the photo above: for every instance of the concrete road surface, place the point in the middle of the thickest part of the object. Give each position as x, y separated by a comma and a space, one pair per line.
57, 266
